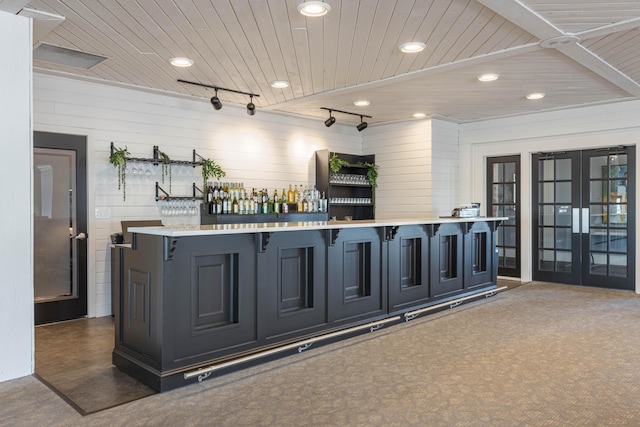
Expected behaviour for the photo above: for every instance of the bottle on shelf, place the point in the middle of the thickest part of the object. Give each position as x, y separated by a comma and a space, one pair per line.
283, 202
290, 196
276, 202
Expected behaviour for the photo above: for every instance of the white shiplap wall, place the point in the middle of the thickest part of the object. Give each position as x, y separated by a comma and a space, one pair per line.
576, 129
264, 151
418, 174
16, 267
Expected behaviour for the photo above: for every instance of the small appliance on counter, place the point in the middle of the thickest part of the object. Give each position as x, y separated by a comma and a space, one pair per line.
469, 210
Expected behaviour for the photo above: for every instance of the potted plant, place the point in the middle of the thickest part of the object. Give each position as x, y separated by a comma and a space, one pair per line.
118, 158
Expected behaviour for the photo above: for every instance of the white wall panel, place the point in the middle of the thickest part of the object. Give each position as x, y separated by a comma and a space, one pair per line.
264, 151
16, 267
403, 154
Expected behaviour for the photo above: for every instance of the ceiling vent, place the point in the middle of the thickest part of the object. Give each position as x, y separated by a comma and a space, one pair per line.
68, 57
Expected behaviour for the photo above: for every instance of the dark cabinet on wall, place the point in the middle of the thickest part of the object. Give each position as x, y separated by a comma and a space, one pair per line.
348, 191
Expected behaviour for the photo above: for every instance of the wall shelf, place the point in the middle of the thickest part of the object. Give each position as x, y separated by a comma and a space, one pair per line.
337, 186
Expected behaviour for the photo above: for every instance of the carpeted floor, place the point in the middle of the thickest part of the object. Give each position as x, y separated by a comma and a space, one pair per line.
539, 355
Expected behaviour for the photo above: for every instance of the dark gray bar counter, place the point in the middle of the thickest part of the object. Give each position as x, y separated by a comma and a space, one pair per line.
187, 298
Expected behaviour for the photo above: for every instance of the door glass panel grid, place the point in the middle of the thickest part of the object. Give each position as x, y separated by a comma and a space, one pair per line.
555, 215
608, 182
503, 202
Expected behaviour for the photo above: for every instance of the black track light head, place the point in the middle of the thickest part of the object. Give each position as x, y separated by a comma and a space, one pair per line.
362, 126
251, 108
215, 101
330, 121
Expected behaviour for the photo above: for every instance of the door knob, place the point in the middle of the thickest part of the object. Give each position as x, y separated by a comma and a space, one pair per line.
81, 236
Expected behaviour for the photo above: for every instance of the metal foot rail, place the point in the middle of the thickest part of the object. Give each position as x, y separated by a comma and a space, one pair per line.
410, 315
204, 373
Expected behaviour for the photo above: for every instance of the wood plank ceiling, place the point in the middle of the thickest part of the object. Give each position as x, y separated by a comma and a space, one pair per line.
577, 52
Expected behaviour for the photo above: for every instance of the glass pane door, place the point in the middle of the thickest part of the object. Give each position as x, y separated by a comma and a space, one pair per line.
59, 191
585, 230
503, 178
54, 225
556, 221
608, 235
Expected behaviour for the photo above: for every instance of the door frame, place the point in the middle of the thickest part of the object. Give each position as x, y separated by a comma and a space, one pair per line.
46, 312
580, 240
490, 161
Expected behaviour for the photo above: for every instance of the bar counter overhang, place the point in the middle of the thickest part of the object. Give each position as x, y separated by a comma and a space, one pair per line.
196, 299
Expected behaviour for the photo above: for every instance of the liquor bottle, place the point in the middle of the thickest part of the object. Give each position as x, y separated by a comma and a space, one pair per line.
290, 197
241, 203
296, 196
283, 202
218, 203
276, 202
265, 201
305, 204
235, 207
299, 205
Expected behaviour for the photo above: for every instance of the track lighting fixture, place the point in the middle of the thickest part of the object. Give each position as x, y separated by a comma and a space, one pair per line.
251, 108
331, 120
215, 101
362, 126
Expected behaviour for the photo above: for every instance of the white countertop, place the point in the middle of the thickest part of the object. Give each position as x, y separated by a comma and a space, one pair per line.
269, 227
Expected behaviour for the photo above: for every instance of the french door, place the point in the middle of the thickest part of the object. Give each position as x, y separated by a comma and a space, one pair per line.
584, 233
60, 226
503, 199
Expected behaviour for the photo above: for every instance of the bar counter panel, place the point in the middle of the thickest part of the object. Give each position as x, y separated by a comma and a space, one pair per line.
191, 297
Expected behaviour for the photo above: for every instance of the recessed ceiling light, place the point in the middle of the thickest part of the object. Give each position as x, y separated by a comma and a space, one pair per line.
362, 103
419, 115
314, 8
181, 62
488, 77
536, 95
280, 84
412, 47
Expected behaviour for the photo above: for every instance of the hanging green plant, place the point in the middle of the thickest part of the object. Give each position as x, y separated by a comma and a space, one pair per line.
372, 176
166, 167
118, 158
210, 169
336, 163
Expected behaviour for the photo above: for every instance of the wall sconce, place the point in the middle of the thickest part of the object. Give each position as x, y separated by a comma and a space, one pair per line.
331, 120
215, 101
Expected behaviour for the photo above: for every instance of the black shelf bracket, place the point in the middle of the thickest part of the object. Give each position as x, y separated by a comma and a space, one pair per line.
264, 241
431, 229
332, 236
466, 227
493, 225
390, 232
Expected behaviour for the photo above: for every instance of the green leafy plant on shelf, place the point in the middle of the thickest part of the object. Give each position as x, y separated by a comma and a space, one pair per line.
372, 176
166, 167
118, 158
336, 163
210, 169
